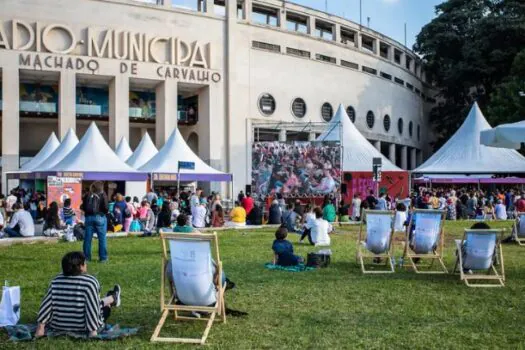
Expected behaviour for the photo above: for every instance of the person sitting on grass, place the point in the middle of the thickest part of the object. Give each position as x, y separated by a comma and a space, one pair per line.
164, 218
319, 229
283, 250
182, 225
72, 301
237, 216
68, 213
21, 224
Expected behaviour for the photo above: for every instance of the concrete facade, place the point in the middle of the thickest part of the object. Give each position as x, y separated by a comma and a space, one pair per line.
223, 55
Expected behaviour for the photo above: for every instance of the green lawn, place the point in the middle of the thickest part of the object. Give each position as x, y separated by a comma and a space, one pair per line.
336, 307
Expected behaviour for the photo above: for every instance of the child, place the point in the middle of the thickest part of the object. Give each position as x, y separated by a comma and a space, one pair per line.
68, 213
283, 250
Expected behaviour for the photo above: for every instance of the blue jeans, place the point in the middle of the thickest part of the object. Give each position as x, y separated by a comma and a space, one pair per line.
96, 224
13, 232
68, 221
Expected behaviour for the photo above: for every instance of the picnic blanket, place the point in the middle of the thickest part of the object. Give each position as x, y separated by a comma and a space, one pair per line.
23, 332
296, 268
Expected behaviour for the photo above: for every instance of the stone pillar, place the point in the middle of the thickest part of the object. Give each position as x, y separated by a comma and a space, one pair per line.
247, 10
208, 7
337, 33
66, 103
10, 124
118, 109
167, 110
404, 157
357, 40
311, 136
392, 153
282, 135
377, 145
311, 25
413, 158
282, 17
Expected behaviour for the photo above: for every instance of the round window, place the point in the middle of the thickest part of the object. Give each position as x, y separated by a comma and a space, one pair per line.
267, 104
351, 113
419, 132
400, 126
386, 122
327, 112
410, 129
370, 119
299, 108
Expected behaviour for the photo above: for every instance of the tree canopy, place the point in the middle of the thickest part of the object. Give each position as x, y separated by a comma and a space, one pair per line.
474, 50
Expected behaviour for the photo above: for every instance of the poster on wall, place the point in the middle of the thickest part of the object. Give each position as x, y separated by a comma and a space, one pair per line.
394, 183
61, 188
296, 169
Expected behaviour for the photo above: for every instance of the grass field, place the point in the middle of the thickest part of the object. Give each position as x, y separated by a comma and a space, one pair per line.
336, 307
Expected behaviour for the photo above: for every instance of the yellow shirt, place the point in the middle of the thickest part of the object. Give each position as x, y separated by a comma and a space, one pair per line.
434, 201
238, 214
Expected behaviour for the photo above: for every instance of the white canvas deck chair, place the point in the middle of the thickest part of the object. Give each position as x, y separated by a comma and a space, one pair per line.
518, 231
477, 253
376, 242
424, 241
196, 282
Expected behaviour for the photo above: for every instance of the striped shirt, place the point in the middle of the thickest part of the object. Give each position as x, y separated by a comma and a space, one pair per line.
72, 303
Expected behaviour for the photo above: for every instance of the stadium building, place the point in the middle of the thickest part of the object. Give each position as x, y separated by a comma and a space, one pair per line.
226, 72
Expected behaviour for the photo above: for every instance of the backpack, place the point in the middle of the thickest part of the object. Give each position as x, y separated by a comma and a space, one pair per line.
92, 204
127, 212
79, 231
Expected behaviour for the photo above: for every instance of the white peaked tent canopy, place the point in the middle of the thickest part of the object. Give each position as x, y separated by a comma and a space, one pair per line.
357, 151
175, 150
50, 146
123, 150
464, 154
68, 143
143, 153
93, 155
505, 135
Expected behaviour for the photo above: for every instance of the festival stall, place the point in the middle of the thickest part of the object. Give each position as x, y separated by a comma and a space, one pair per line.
143, 153
49, 147
123, 150
358, 155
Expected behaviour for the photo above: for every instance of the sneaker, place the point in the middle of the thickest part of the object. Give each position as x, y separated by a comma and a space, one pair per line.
116, 295
195, 314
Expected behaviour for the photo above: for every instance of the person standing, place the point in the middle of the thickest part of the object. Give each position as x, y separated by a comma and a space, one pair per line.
381, 202
95, 207
247, 203
356, 207
198, 214
371, 200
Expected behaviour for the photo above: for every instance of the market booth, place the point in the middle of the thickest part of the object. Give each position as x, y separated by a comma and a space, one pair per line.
358, 155
143, 153
123, 151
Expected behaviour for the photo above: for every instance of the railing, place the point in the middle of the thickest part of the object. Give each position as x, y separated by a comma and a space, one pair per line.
38, 107
83, 109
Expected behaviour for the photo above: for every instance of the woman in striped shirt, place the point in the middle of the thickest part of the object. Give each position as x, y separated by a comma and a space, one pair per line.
72, 302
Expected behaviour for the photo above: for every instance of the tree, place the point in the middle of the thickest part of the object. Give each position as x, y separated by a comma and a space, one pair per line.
468, 50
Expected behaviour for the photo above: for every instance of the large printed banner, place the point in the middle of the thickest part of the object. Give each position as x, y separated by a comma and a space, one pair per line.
60, 188
298, 169
395, 183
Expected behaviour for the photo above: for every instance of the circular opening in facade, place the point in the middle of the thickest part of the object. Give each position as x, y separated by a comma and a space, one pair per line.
419, 132
386, 122
327, 112
410, 129
400, 126
370, 119
351, 113
267, 104
299, 108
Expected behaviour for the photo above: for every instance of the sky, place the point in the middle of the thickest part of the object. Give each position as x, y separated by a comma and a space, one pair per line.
386, 16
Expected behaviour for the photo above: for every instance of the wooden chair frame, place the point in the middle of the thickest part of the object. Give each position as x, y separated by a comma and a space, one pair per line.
520, 241
497, 276
168, 305
437, 254
363, 253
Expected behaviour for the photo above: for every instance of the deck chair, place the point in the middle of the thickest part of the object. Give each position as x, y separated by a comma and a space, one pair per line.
518, 231
194, 288
424, 240
477, 252
376, 242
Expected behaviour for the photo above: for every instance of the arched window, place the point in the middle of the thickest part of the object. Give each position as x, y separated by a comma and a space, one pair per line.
299, 108
400, 126
327, 112
351, 113
267, 104
370, 119
386, 122
419, 132
410, 128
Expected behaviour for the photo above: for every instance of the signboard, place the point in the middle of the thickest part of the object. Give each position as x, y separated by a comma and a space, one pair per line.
376, 168
60, 188
164, 177
187, 165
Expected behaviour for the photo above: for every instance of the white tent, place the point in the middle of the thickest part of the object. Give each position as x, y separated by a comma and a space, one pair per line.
68, 143
174, 150
505, 135
143, 153
357, 151
123, 150
50, 146
92, 154
464, 154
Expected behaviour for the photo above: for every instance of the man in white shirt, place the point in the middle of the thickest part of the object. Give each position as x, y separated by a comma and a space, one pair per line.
9, 202
500, 211
198, 214
320, 229
21, 224
195, 199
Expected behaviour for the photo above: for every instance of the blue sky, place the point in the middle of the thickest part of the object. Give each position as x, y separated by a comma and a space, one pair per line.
386, 16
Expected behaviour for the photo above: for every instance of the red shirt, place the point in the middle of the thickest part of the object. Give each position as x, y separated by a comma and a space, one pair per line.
247, 204
520, 206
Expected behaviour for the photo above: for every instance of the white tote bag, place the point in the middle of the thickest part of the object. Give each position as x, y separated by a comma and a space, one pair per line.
10, 306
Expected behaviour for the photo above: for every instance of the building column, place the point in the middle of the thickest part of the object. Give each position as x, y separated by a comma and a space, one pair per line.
377, 145
311, 136
247, 10
311, 25
282, 17
392, 153
10, 124
419, 155
167, 111
118, 109
166, 3
282, 135
208, 7
66, 103
404, 157
337, 33
413, 158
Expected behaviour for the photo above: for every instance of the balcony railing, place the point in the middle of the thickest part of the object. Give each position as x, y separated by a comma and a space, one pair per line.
38, 107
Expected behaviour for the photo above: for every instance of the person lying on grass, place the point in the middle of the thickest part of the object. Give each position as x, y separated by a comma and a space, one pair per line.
72, 301
283, 250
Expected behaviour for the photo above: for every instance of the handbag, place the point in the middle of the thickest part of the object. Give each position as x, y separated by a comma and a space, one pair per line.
10, 306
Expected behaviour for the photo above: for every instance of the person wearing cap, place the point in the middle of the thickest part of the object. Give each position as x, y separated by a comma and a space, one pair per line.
199, 213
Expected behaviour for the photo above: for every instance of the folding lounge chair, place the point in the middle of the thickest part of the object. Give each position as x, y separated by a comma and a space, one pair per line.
518, 232
476, 253
424, 240
376, 243
192, 273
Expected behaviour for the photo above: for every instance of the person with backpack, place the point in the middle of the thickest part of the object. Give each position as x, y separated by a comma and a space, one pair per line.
119, 209
95, 207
